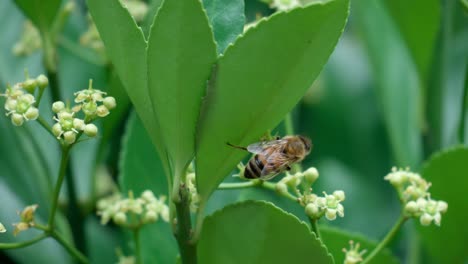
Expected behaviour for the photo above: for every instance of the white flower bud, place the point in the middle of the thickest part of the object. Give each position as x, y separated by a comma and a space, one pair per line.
109, 102
90, 108
42, 81
313, 211
78, 124
90, 130
442, 206
339, 195
425, 219
2, 228
411, 207
120, 218
165, 213
58, 106
10, 104
148, 196
57, 130
102, 111
340, 210
330, 214
32, 113
17, 119
29, 85
150, 216
311, 175
69, 137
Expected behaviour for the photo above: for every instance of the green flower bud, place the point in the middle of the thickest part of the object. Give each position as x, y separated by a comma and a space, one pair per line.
313, 211
58, 106
330, 214
17, 119
78, 124
425, 219
120, 218
411, 208
109, 102
311, 175
32, 113
90, 130
281, 188
90, 108
29, 85
339, 195
57, 130
69, 137
150, 216
42, 81
11, 104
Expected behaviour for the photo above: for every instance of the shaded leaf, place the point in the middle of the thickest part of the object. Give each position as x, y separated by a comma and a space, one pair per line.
41, 13
258, 232
256, 83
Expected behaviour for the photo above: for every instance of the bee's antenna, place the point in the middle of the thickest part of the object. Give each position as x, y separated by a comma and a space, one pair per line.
238, 147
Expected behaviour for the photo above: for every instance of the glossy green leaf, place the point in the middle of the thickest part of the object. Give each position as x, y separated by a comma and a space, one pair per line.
141, 169
227, 19
396, 79
258, 232
419, 32
259, 79
41, 12
181, 51
447, 171
336, 239
126, 48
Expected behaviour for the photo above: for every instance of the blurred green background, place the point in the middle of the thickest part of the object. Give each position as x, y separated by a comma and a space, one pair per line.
393, 93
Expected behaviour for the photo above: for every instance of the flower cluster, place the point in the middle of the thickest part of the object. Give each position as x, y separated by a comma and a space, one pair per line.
315, 206
20, 102
133, 212
192, 188
414, 194
29, 42
92, 103
353, 255
27, 219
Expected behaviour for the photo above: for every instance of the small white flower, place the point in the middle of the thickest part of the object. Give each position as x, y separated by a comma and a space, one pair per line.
353, 255
58, 106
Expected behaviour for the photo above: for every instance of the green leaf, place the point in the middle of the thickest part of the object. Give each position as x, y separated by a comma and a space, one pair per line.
42, 13
419, 32
141, 169
397, 81
227, 19
181, 51
337, 239
259, 79
447, 173
126, 47
258, 232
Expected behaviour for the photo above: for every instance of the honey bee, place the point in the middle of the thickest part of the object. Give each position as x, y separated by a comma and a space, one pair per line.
275, 156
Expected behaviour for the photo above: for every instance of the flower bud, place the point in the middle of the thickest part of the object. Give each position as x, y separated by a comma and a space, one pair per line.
78, 124
10, 104
17, 119
90, 108
313, 211
311, 175
148, 196
339, 195
58, 106
32, 113
120, 218
281, 188
42, 81
150, 216
2, 228
425, 219
411, 207
109, 102
29, 85
57, 130
90, 130
27, 215
102, 111
442, 206
330, 214
69, 137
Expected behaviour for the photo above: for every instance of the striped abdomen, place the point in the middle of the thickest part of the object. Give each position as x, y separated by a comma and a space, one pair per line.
254, 168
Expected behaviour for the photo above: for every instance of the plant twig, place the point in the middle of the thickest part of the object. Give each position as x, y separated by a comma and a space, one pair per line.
314, 226
72, 250
58, 185
183, 234
24, 243
136, 238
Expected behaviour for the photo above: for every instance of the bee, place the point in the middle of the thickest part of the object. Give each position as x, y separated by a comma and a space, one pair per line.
275, 156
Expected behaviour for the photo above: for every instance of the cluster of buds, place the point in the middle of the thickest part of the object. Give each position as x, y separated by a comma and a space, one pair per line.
133, 212
137, 9
27, 219
91, 39
283, 5
126, 259
353, 255
20, 102
30, 40
92, 103
192, 189
315, 206
415, 196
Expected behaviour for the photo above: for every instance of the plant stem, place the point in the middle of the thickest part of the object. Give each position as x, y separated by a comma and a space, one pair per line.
23, 244
391, 234
188, 250
239, 185
58, 185
314, 226
72, 250
136, 238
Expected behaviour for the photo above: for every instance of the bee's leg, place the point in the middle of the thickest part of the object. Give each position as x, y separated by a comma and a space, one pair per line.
288, 168
238, 147
277, 137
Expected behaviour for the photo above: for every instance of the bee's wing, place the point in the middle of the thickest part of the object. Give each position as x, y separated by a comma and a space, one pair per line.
260, 147
276, 163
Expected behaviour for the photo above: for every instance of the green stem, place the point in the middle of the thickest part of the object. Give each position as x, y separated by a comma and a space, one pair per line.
183, 234
39, 97
136, 238
23, 244
58, 185
45, 125
239, 185
386, 240
72, 250
314, 226
272, 186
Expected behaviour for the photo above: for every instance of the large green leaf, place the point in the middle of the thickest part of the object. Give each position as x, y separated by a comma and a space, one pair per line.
447, 171
336, 239
259, 79
41, 12
141, 169
126, 48
181, 51
227, 19
419, 32
396, 80
258, 232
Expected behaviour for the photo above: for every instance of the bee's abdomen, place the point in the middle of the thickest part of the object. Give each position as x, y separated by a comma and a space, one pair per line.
254, 168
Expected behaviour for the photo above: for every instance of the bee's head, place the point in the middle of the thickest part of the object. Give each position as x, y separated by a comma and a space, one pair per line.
307, 143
